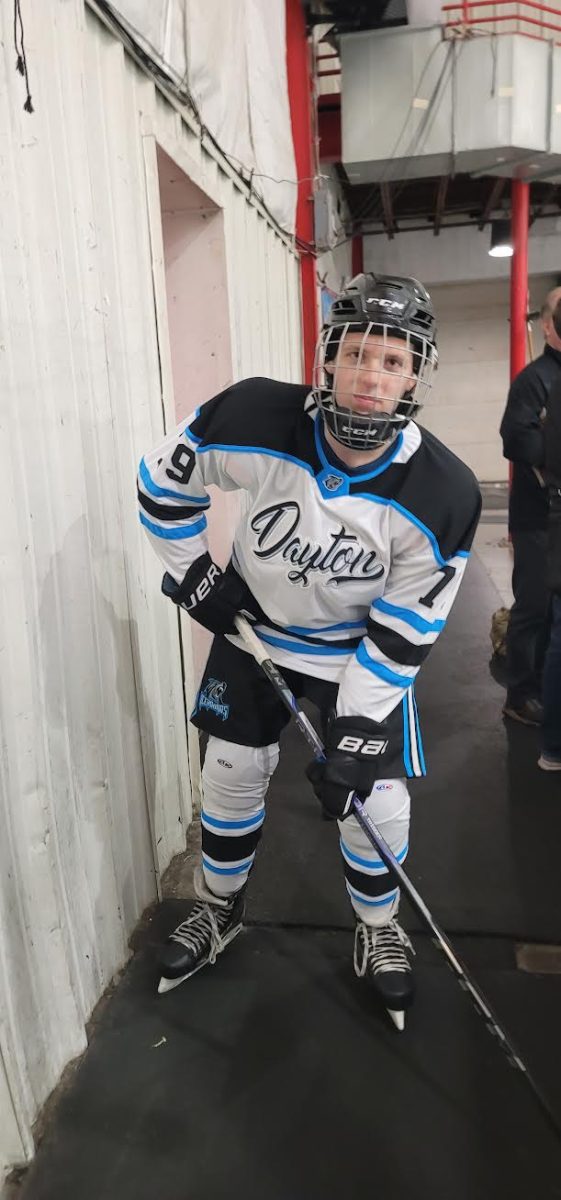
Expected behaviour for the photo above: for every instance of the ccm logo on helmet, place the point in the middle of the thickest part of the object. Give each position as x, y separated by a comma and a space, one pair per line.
386, 303
357, 745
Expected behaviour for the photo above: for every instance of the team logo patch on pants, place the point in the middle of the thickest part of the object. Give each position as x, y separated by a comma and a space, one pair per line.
211, 698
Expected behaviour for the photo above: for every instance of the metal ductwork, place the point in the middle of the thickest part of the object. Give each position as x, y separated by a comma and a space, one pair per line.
415, 104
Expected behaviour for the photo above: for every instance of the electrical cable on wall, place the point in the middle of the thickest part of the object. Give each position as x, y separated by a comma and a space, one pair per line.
21, 61
181, 90
428, 117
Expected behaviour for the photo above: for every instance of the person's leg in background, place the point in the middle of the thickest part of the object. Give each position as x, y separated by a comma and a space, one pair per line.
550, 757
526, 630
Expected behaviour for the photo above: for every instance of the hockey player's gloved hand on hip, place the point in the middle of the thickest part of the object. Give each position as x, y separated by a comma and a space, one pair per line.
354, 755
211, 596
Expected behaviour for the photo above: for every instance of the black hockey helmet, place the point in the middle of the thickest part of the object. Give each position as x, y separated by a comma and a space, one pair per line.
387, 307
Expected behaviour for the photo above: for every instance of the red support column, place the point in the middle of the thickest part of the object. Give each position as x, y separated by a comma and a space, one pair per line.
519, 275
299, 74
357, 255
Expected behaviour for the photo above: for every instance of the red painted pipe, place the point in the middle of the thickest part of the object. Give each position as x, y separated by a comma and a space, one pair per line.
520, 201
495, 3
299, 75
357, 255
519, 275
510, 17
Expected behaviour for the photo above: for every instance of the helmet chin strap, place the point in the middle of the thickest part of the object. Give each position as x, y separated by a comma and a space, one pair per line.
367, 433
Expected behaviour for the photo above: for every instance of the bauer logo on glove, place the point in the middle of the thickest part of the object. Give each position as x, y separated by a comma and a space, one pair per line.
357, 745
211, 596
354, 755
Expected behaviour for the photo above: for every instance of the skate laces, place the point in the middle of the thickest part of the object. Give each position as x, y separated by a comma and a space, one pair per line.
381, 949
205, 924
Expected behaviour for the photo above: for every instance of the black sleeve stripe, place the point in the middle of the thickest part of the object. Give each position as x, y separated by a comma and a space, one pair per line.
396, 647
169, 512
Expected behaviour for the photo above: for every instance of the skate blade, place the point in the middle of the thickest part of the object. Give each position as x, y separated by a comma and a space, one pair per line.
398, 1018
167, 985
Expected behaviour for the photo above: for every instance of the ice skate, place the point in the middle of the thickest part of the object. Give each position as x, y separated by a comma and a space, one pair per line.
211, 925
380, 956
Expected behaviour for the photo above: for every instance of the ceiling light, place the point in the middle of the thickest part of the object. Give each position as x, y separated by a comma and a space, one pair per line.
501, 240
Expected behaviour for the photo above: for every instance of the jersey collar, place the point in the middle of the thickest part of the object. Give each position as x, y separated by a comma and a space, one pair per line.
335, 477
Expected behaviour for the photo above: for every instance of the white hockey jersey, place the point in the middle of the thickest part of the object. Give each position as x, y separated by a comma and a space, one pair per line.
353, 572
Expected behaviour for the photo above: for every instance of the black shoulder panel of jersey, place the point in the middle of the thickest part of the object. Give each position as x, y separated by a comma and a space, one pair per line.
444, 494
257, 413
437, 489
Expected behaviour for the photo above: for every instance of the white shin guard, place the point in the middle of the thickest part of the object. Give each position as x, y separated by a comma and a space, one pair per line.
373, 895
235, 781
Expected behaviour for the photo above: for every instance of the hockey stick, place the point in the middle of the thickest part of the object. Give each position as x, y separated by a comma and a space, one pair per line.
257, 649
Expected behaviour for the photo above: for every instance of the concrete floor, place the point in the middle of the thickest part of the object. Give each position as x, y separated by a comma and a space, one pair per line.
491, 540
273, 1075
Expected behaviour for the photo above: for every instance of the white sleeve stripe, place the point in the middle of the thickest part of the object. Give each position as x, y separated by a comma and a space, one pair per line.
178, 501
174, 532
382, 671
408, 616
413, 734
169, 513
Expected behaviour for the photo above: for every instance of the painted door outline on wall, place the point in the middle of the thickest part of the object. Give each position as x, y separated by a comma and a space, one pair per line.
193, 328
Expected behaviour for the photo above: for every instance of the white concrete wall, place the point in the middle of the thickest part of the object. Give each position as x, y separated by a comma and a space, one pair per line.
471, 384
199, 334
95, 790
459, 255
470, 291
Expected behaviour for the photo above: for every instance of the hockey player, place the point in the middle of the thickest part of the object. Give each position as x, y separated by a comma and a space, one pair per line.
348, 560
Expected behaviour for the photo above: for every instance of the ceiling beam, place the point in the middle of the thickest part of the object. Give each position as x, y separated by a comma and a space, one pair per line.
492, 200
387, 208
548, 198
440, 203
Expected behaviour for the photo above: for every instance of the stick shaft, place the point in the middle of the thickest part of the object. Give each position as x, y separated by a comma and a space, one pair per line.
255, 645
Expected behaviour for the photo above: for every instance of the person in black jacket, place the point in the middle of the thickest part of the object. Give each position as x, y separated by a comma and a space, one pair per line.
523, 444
550, 757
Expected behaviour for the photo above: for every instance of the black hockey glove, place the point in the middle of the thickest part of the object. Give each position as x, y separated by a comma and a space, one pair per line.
211, 596
354, 757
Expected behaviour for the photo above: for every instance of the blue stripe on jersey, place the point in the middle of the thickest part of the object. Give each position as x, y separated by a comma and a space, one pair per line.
300, 647
407, 741
370, 903
257, 450
155, 490
461, 554
379, 669
410, 517
372, 862
419, 738
228, 870
306, 632
409, 616
192, 436
186, 531
251, 821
